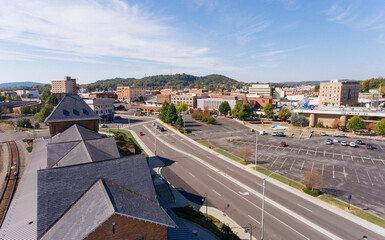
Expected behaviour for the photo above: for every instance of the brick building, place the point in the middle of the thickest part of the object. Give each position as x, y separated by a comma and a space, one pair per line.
61, 88
72, 109
102, 95
130, 94
338, 92
258, 102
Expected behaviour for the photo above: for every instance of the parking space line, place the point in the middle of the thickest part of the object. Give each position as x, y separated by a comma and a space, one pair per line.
299, 150
369, 177
274, 162
362, 159
382, 178
352, 158
372, 160
291, 149
358, 180
292, 164
342, 155
315, 152
302, 164
283, 163
344, 173
312, 166
383, 162
333, 171
324, 153
307, 152
322, 172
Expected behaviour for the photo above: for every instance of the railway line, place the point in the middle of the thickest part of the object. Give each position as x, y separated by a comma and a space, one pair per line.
11, 180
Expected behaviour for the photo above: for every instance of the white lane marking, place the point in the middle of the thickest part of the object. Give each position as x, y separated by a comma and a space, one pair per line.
253, 219
244, 193
277, 205
304, 207
217, 192
260, 208
192, 174
230, 169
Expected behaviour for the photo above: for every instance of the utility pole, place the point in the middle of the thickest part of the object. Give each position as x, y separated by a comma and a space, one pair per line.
256, 150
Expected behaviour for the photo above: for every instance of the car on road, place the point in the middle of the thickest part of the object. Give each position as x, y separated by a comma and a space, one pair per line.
103, 125
329, 141
352, 144
141, 133
280, 134
336, 134
344, 143
262, 132
283, 144
359, 142
342, 135
274, 133
335, 140
323, 134
369, 146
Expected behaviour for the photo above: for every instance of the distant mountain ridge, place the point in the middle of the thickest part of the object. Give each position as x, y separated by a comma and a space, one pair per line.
316, 82
20, 84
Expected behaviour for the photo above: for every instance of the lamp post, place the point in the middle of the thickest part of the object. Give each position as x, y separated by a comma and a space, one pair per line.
203, 200
155, 141
263, 201
249, 228
256, 150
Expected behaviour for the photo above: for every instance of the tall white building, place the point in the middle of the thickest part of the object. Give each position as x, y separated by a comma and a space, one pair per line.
213, 103
104, 107
263, 90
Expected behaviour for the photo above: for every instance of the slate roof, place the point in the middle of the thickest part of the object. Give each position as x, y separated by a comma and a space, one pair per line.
127, 181
71, 108
77, 144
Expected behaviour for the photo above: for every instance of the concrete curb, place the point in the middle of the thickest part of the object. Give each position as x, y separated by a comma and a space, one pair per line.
305, 196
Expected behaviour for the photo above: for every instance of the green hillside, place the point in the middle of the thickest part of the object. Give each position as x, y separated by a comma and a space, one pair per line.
177, 81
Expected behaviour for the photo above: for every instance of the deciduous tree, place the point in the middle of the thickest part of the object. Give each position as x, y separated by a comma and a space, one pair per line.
245, 111
268, 110
313, 179
244, 152
380, 127
355, 123
284, 114
297, 120
224, 108
237, 108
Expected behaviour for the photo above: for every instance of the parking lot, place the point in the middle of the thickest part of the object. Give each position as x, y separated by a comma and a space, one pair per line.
355, 171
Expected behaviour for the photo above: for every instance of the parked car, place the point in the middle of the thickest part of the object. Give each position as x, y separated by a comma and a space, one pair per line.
157, 126
283, 144
141, 133
162, 129
118, 117
329, 141
335, 140
342, 135
344, 143
103, 125
359, 142
369, 146
280, 134
323, 134
251, 130
352, 144
274, 133
153, 124
336, 134
262, 132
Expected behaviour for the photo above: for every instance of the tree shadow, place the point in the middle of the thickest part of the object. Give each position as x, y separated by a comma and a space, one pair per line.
333, 192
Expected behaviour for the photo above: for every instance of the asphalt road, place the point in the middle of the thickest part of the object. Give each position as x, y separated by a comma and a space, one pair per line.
358, 171
237, 192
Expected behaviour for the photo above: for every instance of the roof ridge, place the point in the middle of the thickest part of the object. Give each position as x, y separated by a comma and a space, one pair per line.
66, 153
100, 149
70, 207
73, 149
132, 192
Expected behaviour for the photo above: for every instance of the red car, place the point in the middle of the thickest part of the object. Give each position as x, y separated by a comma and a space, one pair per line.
141, 133
283, 144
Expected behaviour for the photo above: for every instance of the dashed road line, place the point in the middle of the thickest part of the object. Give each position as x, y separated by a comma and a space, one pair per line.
369, 177
217, 192
192, 174
283, 163
292, 164
230, 169
253, 219
358, 180
304, 207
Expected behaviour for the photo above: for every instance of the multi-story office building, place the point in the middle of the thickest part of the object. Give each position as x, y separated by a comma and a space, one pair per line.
213, 103
66, 86
104, 107
338, 92
190, 99
131, 94
263, 90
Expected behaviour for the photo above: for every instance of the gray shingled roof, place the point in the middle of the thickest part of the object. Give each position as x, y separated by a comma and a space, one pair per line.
77, 144
71, 108
59, 188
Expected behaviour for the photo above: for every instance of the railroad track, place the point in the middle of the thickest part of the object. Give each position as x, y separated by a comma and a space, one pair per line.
10, 181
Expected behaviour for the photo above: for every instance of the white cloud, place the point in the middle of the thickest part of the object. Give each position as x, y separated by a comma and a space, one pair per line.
90, 30
341, 14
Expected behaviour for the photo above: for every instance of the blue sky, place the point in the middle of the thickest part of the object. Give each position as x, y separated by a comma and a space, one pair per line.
250, 41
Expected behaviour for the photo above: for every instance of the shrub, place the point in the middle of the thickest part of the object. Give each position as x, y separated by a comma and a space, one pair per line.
211, 120
204, 118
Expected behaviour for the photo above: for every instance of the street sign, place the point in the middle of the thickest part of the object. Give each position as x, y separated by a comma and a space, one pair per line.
349, 197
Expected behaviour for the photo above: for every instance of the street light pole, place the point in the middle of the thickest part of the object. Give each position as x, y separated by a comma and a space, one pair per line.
256, 150
263, 201
155, 141
249, 228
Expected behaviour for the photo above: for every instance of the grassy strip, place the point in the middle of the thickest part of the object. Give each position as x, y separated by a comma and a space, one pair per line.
224, 153
231, 156
138, 148
29, 141
281, 178
211, 223
353, 210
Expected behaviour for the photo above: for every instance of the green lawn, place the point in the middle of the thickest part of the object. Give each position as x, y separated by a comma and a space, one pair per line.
138, 148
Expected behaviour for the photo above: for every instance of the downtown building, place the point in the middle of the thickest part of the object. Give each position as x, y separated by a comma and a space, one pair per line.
61, 88
338, 92
130, 94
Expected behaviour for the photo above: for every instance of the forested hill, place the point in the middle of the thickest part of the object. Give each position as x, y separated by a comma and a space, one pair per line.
177, 81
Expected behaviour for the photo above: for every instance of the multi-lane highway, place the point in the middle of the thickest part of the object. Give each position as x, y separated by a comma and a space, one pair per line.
237, 191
